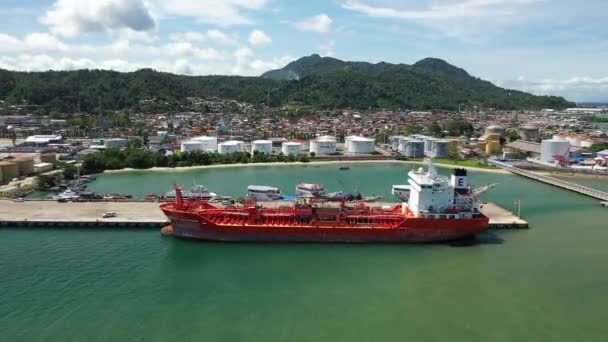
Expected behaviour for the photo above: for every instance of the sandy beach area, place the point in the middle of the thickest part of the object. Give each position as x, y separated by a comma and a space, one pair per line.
315, 163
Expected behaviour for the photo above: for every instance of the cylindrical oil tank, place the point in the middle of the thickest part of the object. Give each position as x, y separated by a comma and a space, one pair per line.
323, 145
209, 143
191, 145
495, 129
394, 141
361, 145
261, 146
228, 147
441, 148
414, 149
428, 146
291, 148
529, 133
553, 149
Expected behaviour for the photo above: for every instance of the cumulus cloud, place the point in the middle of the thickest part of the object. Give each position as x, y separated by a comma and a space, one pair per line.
212, 36
41, 52
439, 10
580, 88
259, 38
468, 20
74, 17
320, 24
224, 12
328, 48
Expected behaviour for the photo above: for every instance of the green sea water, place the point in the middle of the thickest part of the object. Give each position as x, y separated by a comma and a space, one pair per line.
548, 283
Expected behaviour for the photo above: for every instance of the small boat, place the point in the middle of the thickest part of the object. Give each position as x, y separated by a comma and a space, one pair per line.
310, 190
370, 199
344, 168
67, 195
263, 193
402, 192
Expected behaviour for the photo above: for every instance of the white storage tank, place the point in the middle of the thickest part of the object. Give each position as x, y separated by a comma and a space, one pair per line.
553, 149
291, 148
261, 146
191, 145
428, 146
395, 141
361, 145
441, 148
209, 143
323, 145
413, 149
228, 147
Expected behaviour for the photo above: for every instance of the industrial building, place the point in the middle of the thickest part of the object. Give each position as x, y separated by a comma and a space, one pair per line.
8, 171
323, 145
115, 143
231, 146
292, 148
261, 146
43, 140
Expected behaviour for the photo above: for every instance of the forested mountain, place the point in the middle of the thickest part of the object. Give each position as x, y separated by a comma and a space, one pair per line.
322, 83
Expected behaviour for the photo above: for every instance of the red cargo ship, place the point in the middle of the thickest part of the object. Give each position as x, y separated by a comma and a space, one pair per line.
439, 209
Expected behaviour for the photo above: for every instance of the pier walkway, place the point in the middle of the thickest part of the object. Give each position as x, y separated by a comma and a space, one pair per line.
81, 214
581, 189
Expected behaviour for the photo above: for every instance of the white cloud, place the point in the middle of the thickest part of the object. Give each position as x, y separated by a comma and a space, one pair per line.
259, 38
580, 88
472, 21
320, 24
222, 12
214, 36
44, 42
328, 48
440, 10
74, 17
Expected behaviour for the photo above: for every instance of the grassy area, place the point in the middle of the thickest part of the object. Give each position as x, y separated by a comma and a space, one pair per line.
465, 163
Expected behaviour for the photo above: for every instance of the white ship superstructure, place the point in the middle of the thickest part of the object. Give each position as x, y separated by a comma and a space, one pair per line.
435, 196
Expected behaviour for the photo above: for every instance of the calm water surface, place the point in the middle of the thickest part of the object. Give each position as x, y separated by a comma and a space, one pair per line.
545, 284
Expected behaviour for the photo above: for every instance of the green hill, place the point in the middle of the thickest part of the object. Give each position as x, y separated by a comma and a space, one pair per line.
319, 82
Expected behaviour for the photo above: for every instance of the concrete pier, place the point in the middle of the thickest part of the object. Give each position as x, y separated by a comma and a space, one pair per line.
501, 218
148, 215
55, 214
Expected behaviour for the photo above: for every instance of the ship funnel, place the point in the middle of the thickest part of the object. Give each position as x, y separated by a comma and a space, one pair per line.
179, 200
460, 181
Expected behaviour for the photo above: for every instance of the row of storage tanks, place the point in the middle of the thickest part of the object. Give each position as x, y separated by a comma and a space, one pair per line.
418, 146
322, 145
210, 144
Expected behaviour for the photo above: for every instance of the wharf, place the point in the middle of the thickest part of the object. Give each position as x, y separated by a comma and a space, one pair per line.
148, 215
584, 190
501, 218
82, 214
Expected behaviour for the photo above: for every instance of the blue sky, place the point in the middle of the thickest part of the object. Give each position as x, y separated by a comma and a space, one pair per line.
541, 46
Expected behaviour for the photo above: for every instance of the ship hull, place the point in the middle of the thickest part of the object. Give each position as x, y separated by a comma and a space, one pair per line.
412, 230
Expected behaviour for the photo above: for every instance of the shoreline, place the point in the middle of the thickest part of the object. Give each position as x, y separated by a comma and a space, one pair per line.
314, 163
